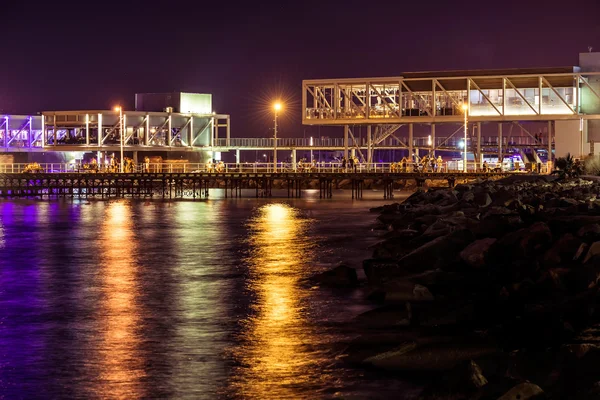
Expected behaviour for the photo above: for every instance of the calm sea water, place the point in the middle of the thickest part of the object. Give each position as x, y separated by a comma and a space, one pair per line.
202, 300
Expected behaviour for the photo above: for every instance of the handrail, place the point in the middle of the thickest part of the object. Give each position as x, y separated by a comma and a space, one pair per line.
256, 167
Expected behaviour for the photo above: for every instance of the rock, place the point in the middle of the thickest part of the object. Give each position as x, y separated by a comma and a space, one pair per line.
580, 251
474, 254
468, 196
386, 316
517, 251
433, 357
438, 253
465, 378
593, 252
523, 391
437, 229
376, 270
589, 232
562, 251
468, 376
504, 197
339, 276
482, 199
571, 223
401, 291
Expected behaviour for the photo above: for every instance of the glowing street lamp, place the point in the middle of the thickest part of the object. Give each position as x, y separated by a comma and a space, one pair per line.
465, 108
277, 107
120, 110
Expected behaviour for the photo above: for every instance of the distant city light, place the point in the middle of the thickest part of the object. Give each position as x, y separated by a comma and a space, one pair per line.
461, 144
117, 108
277, 106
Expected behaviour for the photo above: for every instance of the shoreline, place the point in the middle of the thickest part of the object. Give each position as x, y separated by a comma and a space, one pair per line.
473, 287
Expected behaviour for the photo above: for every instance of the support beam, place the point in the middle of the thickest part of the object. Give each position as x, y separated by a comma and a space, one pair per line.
550, 141
228, 131
346, 129
500, 151
432, 151
147, 131
87, 129
30, 137
369, 147
44, 142
100, 130
479, 155
191, 135
410, 143
169, 131
294, 159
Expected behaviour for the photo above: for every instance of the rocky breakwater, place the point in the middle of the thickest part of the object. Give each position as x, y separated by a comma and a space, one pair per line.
488, 290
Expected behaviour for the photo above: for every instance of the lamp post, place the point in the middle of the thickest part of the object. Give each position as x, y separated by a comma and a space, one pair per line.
120, 110
465, 108
277, 108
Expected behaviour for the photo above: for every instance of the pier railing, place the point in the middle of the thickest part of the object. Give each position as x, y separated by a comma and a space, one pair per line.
260, 167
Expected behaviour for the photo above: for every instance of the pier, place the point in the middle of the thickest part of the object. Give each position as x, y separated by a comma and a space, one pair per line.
196, 185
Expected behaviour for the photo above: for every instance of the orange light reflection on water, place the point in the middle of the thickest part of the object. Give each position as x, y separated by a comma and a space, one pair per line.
276, 356
120, 366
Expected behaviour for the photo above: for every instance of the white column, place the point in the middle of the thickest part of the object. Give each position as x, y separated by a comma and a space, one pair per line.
147, 131
191, 132
228, 131
433, 139
369, 147
500, 151
169, 131
87, 129
100, 130
44, 142
346, 134
410, 143
479, 155
294, 159
550, 141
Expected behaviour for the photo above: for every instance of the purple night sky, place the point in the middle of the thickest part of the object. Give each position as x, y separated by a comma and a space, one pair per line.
59, 55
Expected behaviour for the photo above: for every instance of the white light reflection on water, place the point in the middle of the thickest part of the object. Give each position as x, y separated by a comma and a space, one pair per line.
276, 357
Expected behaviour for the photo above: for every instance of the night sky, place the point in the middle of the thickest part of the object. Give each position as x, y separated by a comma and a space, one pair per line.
58, 55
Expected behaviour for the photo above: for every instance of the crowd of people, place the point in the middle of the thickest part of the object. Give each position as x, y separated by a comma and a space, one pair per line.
214, 166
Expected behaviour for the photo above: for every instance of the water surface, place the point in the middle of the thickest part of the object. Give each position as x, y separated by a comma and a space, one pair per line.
205, 299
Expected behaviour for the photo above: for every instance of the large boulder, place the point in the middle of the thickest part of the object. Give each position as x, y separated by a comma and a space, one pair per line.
441, 252
482, 199
523, 391
562, 251
400, 291
474, 254
338, 276
593, 253
386, 317
412, 356
378, 270
523, 246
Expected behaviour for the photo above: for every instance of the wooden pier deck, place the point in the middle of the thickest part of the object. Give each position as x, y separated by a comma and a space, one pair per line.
197, 185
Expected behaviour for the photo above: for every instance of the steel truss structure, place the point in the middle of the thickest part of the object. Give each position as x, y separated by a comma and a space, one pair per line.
494, 95
103, 130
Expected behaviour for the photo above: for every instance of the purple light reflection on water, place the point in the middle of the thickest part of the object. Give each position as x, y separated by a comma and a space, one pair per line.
169, 300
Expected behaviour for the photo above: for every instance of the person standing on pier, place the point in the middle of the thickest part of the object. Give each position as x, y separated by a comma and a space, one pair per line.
344, 164
146, 164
